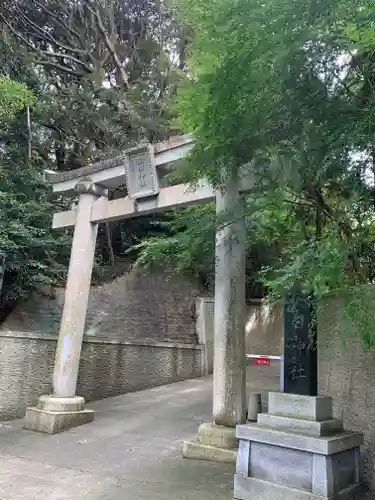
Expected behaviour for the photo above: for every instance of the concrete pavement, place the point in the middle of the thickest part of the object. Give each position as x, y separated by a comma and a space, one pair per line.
132, 450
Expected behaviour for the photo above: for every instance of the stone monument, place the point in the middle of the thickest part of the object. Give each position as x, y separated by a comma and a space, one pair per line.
300, 346
297, 451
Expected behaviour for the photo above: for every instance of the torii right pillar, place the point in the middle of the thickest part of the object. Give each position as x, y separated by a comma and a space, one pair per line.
216, 440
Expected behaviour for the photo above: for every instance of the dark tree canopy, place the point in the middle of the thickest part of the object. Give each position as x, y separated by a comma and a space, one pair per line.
79, 81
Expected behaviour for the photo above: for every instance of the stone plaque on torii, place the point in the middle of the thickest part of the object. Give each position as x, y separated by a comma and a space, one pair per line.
140, 169
143, 169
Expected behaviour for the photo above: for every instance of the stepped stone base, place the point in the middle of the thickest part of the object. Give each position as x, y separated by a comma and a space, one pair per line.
53, 414
215, 443
298, 452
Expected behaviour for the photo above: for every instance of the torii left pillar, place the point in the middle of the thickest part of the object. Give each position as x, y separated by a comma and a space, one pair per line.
63, 409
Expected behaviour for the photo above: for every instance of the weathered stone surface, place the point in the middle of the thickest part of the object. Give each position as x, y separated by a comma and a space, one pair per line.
229, 375
215, 443
263, 330
249, 488
281, 465
204, 308
308, 427
243, 458
77, 291
53, 403
218, 436
278, 461
199, 451
107, 368
254, 407
325, 445
305, 471
139, 305
347, 373
317, 408
141, 177
51, 422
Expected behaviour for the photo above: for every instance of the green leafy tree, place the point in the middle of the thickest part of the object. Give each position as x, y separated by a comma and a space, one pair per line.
288, 86
14, 97
79, 81
106, 72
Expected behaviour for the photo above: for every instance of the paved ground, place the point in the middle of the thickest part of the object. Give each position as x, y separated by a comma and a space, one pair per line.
131, 451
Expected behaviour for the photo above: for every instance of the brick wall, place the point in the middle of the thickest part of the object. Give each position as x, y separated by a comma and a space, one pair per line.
347, 374
139, 305
108, 368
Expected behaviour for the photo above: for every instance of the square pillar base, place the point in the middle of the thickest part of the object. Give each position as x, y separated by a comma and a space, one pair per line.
53, 414
215, 443
298, 452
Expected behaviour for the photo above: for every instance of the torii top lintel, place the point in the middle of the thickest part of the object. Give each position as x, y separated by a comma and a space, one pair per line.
138, 168
111, 173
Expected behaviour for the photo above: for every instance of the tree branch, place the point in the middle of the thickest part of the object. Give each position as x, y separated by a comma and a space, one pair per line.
110, 46
62, 24
111, 49
45, 52
60, 67
47, 35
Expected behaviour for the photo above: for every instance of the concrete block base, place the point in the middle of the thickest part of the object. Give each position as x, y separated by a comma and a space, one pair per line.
249, 488
53, 415
299, 452
314, 408
199, 451
308, 427
215, 443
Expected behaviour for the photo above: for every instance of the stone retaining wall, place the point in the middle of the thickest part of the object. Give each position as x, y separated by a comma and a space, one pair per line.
139, 306
108, 367
347, 373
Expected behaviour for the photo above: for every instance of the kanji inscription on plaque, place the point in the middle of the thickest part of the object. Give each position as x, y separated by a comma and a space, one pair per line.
300, 353
141, 175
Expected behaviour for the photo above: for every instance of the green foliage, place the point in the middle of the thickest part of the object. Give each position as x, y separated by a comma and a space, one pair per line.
357, 315
188, 240
96, 77
14, 96
187, 244
288, 86
35, 255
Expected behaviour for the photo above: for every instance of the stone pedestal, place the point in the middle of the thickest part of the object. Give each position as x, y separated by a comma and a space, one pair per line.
215, 443
54, 414
297, 451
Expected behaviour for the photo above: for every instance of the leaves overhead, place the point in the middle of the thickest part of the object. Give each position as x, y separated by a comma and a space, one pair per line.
79, 81
287, 88
110, 66
14, 96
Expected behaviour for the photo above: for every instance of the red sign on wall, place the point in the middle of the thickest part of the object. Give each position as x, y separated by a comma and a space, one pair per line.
262, 361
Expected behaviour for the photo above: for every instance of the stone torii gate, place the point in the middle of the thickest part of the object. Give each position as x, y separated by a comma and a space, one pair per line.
143, 168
